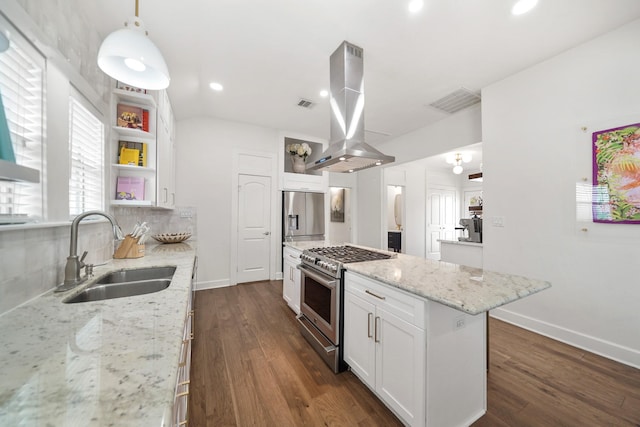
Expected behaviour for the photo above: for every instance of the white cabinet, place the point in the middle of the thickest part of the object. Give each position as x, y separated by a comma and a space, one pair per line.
166, 193
181, 395
424, 360
291, 278
385, 344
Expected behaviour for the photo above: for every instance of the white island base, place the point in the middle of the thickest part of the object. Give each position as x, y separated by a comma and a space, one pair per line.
424, 360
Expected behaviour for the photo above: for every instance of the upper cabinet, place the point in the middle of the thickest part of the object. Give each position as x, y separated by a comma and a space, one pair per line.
166, 180
141, 150
293, 176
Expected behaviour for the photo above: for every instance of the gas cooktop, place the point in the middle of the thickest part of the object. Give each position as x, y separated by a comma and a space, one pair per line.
347, 254
331, 258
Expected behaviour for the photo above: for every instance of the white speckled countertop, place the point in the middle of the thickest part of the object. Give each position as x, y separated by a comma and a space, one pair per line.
103, 363
472, 290
457, 242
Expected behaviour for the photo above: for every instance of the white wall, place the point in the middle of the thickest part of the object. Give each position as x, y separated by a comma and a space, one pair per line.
205, 149
534, 154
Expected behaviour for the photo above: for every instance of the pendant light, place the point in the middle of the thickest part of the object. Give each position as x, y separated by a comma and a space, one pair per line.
128, 55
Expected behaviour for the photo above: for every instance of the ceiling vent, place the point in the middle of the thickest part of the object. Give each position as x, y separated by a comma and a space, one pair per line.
456, 101
305, 103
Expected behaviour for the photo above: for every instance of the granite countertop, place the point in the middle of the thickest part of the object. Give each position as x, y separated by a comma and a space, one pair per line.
472, 290
308, 244
457, 242
103, 363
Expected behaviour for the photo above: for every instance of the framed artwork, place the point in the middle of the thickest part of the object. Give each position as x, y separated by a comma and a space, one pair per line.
616, 175
337, 205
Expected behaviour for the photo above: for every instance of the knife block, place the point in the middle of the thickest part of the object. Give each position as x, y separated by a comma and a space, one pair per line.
129, 248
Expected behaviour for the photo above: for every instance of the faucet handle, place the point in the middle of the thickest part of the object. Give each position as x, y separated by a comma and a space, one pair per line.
84, 255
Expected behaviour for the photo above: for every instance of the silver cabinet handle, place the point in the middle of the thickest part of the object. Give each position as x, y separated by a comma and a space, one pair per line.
377, 337
266, 233
375, 295
369, 325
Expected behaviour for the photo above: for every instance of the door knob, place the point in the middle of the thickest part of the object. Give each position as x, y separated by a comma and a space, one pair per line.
266, 233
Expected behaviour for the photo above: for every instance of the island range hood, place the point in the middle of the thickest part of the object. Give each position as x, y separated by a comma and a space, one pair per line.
347, 150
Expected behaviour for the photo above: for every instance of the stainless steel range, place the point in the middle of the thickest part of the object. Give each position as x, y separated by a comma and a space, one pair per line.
322, 296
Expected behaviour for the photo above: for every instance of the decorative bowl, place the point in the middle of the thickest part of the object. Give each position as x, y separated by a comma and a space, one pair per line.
171, 237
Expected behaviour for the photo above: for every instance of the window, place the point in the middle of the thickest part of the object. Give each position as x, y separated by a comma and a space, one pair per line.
86, 150
21, 86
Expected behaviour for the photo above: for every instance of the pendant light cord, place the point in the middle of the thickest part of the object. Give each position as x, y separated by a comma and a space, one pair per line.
137, 16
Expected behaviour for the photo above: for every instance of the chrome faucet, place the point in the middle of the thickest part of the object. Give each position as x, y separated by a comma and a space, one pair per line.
74, 265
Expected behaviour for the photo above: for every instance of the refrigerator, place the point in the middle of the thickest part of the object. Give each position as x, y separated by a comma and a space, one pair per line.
303, 216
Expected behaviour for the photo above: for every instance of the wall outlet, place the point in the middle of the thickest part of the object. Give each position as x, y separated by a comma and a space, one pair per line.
186, 214
459, 323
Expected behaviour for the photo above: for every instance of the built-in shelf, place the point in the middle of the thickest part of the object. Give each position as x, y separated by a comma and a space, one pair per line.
141, 135
131, 203
10, 171
133, 168
144, 99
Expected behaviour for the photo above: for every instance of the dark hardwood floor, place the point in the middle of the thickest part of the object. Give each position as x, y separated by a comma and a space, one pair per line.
251, 367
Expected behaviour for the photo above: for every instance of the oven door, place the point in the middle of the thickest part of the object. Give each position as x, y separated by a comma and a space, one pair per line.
319, 303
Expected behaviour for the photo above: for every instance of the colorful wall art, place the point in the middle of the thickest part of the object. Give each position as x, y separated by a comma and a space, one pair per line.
616, 175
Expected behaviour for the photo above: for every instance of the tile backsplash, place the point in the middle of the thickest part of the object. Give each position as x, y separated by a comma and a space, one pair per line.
32, 260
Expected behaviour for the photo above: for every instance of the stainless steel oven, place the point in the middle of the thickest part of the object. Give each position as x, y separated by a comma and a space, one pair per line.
322, 296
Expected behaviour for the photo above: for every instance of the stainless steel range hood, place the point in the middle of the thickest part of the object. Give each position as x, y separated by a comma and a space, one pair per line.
347, 150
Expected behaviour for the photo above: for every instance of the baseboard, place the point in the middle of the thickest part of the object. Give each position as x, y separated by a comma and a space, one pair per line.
279, 275
212, 284
625, 355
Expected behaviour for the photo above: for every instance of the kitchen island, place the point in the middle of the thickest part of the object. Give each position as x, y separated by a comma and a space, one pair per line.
102, 363
415, 333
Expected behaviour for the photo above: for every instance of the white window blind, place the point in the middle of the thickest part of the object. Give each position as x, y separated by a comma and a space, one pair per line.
21, 86
86, 148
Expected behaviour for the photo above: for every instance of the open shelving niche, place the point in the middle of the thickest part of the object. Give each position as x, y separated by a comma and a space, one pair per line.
118, 133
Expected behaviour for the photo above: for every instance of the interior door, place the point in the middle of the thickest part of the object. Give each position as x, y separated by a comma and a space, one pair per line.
254, 228
441, 218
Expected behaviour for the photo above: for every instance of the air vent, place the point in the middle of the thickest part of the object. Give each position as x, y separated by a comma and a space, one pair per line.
456, 101
305, 103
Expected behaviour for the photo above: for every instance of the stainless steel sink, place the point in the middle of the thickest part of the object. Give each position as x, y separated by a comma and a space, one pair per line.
137, 274
126, 283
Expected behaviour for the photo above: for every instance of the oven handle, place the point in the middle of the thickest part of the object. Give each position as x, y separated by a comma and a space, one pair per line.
326, 281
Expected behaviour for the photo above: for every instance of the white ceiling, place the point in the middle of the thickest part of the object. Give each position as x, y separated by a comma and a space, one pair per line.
269, 54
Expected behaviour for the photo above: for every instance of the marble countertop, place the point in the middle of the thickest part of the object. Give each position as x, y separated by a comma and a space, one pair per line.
103, 363
472, 290
457, 242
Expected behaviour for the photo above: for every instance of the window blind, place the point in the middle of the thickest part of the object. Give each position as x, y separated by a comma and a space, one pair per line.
21, 86
86, 148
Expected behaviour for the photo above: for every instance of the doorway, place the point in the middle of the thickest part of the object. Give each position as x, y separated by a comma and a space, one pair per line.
441, 219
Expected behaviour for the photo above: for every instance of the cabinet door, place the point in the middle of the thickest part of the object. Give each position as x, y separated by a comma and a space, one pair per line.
295, 295
165, 154
400, 366
288, 282
359, 343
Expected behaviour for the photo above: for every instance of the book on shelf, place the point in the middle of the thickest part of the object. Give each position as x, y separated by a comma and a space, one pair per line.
129, 88
130, 188
133, 117
131, 157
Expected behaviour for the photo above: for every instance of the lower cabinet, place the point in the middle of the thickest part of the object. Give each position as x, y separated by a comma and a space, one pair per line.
384, 344
424, 360
291, 278
181, 396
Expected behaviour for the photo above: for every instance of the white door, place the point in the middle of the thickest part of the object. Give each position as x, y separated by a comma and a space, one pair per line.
254, 228
441, 217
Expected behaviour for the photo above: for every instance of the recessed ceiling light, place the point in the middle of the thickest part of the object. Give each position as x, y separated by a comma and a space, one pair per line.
216, 86
523, 6
324, 93
415, 5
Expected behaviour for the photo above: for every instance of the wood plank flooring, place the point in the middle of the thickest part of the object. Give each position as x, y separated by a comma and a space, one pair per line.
251, 367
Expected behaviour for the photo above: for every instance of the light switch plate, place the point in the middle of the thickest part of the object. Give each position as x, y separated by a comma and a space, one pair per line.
497, 221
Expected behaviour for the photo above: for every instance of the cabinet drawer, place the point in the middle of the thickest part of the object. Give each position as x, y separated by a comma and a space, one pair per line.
410, 308
291, 254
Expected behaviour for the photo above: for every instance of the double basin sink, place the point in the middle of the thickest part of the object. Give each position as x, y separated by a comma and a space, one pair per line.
126, 283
